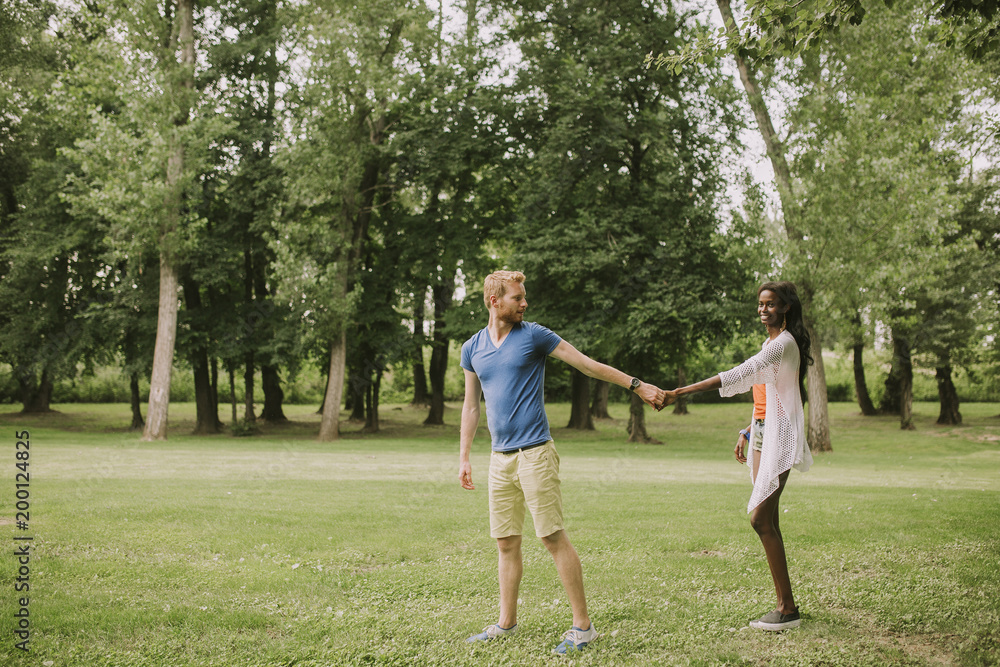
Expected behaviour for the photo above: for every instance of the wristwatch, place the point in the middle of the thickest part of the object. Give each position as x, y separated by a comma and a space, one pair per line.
635, 384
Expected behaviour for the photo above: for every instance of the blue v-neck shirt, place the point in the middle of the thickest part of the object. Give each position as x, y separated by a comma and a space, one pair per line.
513, 380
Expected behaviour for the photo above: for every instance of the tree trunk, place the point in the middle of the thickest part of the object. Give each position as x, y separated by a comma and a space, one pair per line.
681, 406
232, 393
439, 354
215, 394
137, 421
948, 397
356, 394
892, 396
249, 415
163, 354
166, 321
818, 435
580, 417
420, 393
329, 427
371, 403
270, 382
860, 384
599, 406
273, 395
891, 403
326, 388
35, 396
204, 419
902, 365
906, 400
637, 422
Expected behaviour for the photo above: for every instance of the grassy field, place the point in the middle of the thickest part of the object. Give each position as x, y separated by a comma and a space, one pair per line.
279, 550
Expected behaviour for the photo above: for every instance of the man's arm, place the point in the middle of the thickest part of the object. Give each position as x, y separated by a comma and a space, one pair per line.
470, 423
595, 369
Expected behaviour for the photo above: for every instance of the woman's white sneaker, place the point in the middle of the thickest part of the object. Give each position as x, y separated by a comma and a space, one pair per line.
775, 621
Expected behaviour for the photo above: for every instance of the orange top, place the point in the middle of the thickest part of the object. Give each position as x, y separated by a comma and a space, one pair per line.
759, 401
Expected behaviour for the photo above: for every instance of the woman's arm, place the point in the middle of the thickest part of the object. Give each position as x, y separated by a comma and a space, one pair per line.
668, 396
711, 383
762, 368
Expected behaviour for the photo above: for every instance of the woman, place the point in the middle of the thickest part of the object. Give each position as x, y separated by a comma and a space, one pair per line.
780, 366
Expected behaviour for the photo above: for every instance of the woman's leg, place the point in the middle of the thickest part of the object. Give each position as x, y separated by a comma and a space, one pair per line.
764, 520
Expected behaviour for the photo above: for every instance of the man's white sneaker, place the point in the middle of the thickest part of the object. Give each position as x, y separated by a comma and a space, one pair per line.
492, 632
576, 639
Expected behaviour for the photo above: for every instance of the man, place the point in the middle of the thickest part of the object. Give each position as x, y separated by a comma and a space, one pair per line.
506, 362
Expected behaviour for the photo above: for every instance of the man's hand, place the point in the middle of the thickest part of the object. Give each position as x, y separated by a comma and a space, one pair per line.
465, 476
664, 398
649, 394
741, 444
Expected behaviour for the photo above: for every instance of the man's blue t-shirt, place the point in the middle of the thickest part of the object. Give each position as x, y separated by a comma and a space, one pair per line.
513, 379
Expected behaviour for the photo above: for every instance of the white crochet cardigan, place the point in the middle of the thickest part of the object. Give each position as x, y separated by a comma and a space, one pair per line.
777, 367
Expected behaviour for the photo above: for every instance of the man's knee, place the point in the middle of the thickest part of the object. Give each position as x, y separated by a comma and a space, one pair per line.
555, 541
509, 545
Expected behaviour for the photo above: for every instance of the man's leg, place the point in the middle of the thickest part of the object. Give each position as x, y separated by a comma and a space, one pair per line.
506, 519
511, 568
571, 573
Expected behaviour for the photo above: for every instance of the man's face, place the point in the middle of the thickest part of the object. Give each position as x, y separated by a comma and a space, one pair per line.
510, 307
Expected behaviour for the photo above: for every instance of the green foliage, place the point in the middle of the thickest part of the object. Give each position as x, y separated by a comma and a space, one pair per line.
877, 148
776, 29
51, 268
243, 428
618, 221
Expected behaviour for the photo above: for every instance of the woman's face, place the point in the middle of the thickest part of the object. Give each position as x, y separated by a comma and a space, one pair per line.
771, 309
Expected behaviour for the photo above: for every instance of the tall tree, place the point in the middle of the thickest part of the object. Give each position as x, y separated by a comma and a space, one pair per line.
249, 62
357, 81
448, 166
140, 161
619, 190
819, 421
51, 269
876, 160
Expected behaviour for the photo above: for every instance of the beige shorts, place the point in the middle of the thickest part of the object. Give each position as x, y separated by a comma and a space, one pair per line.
529, 477
758, 435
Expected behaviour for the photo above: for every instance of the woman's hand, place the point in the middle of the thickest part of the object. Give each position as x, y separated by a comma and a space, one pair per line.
666, 397
741, 444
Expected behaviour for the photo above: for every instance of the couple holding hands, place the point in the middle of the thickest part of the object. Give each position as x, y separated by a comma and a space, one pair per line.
505, 362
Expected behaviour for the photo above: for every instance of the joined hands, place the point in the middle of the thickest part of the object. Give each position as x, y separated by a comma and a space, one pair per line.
664, 398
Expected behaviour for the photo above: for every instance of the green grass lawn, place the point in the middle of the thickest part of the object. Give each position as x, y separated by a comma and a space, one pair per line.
279, 550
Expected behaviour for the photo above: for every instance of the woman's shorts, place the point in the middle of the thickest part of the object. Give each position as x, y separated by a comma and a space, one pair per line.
758, 435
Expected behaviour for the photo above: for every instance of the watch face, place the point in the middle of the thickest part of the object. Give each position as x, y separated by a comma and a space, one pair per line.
635, 383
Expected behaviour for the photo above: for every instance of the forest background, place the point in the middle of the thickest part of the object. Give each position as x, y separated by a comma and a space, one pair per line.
261, 202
